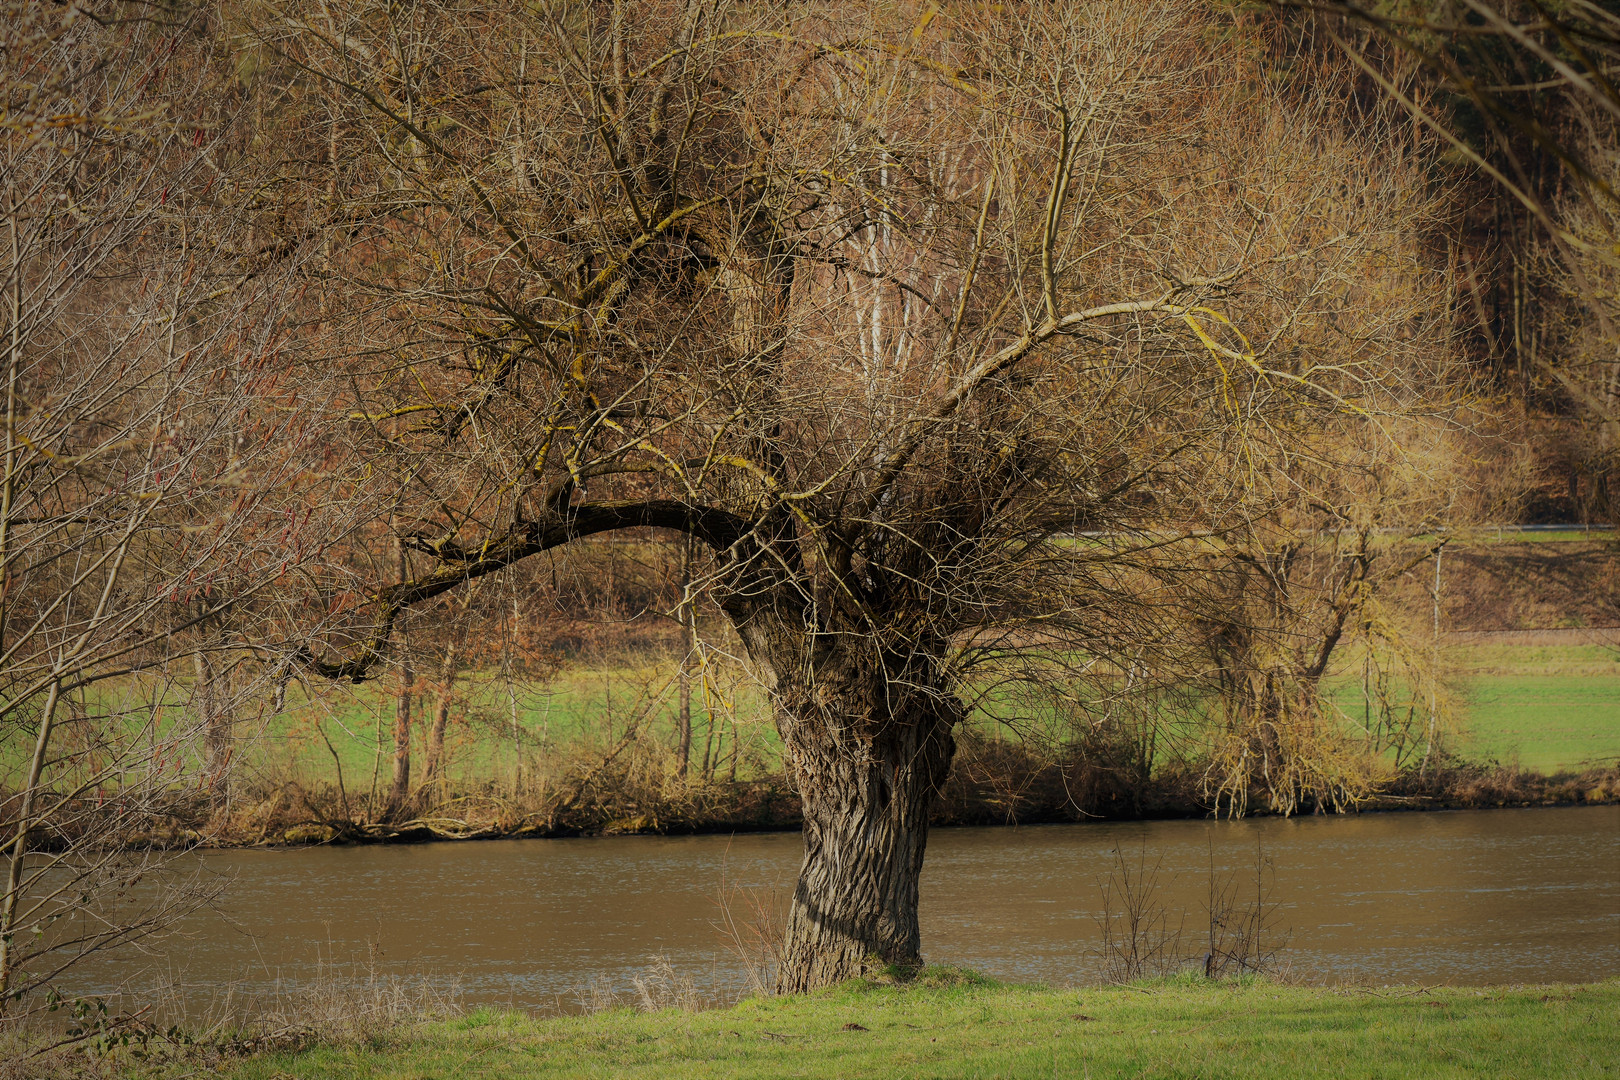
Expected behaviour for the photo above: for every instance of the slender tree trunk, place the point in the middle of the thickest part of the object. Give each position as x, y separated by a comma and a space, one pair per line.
400, 794
433, 765
8, 483
688, 652
866, 801
706, 770
19, 844
1434, 708
210, 707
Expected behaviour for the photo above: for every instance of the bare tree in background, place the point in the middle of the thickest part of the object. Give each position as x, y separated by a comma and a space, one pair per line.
1527, 93
1308, 590
941, 334
1298, 588
156, 474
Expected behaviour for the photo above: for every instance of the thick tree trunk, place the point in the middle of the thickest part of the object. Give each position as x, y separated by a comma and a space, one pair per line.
866, 778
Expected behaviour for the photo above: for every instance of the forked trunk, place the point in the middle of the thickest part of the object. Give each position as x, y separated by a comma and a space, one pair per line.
866, 799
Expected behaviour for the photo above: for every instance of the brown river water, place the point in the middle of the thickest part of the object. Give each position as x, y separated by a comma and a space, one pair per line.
1471, 897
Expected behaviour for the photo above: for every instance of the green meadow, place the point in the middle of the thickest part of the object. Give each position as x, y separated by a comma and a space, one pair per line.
1543, 708
1546, 708
494, 724
966, 1027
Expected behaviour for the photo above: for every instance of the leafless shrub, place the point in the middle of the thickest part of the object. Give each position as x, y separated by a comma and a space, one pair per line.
751, 921
1138, 940
1245, 936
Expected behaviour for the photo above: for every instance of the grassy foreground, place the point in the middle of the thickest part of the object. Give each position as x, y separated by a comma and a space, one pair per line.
960, 1026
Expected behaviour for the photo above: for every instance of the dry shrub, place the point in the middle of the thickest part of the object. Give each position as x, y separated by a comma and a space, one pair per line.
1243, 932
1098, 770
1457, 784
1138, 941
751, 922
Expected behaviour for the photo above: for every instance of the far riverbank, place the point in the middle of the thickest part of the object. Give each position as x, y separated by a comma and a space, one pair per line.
1010, 790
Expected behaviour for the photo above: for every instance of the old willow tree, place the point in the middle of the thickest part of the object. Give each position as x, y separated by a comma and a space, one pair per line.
938, 328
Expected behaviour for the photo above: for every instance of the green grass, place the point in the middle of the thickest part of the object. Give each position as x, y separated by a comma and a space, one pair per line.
1544, 723
979, 1029
578, 708
1472, 537
1546, 707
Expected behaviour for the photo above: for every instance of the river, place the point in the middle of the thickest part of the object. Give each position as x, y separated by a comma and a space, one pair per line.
1471, 897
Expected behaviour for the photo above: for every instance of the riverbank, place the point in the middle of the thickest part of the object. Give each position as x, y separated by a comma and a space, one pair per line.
592, 755
955, 1025
992, 784
1537, 733
1016, 790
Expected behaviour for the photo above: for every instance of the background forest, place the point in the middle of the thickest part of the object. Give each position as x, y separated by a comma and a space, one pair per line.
429, 420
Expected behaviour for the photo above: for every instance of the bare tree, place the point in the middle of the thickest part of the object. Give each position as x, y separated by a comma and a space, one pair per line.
1297, 587
155, 477
1525, 93
941, 343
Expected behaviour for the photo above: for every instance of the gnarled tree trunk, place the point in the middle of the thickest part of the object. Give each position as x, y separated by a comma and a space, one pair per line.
867, 770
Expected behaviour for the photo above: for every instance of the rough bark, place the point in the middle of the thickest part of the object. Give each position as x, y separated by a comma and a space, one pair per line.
867, 772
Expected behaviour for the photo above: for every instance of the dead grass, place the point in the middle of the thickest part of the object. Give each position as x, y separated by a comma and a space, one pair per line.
340, 1004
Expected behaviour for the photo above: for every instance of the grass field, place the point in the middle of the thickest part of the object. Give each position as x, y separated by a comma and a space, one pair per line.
1546, 707
494, 724
1543, 707
979, 1029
